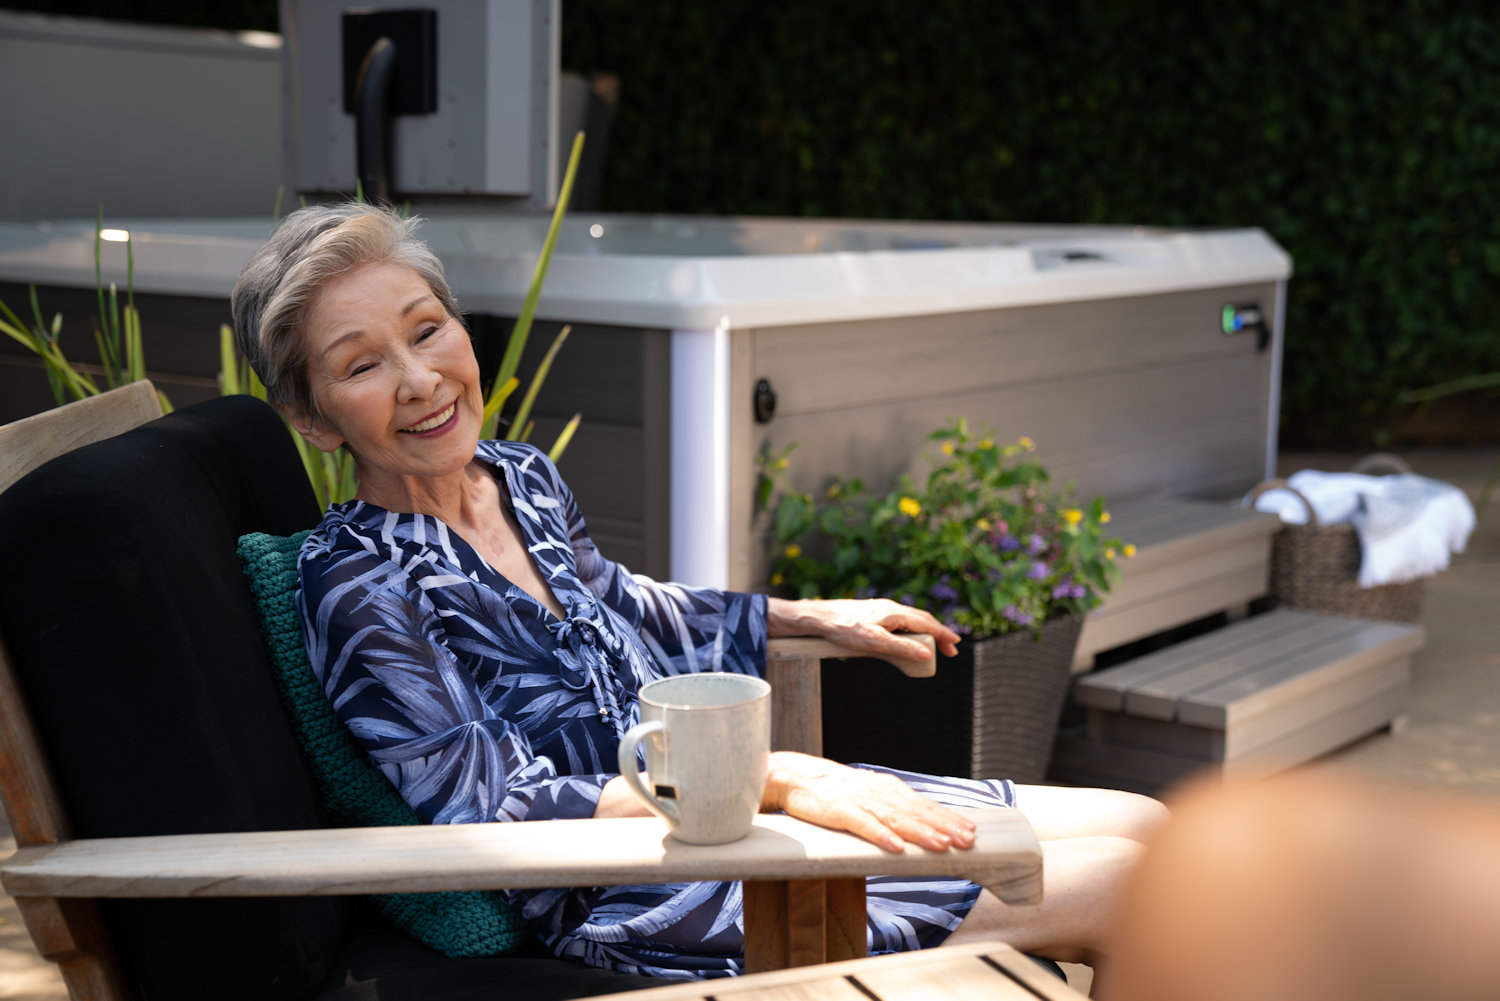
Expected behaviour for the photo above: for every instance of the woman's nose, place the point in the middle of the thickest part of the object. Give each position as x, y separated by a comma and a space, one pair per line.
418, 379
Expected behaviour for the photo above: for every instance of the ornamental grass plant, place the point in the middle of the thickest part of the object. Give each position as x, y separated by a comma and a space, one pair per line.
987, 543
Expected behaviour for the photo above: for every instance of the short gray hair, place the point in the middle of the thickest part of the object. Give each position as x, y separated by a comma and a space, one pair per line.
311, 247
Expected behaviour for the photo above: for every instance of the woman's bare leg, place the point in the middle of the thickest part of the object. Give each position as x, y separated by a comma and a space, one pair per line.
1058, 812
1091, 843
1083, 878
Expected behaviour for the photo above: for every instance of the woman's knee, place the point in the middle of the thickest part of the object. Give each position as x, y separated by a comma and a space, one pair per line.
1139, 816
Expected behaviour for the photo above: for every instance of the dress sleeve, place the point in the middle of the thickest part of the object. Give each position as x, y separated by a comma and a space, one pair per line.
687, 629
378, 647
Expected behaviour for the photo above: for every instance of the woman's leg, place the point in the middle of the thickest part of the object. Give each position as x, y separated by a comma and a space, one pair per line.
1058, 812
1083, 878
1091, 843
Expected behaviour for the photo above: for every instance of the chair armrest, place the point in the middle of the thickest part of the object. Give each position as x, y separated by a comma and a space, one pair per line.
1006, 858
795, 648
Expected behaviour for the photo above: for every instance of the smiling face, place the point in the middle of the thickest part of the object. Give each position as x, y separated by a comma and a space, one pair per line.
394, 377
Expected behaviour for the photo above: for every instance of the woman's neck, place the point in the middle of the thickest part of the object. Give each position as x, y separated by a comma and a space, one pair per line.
453, 499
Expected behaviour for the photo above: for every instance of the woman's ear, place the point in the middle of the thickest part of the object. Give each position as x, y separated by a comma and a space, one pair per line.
323, 438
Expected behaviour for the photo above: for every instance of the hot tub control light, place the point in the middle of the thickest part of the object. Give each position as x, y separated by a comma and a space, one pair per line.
1236, 319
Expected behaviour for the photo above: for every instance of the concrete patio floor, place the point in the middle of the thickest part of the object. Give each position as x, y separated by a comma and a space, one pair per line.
1452, 743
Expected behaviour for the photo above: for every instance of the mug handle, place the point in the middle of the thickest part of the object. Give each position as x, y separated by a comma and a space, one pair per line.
631, 772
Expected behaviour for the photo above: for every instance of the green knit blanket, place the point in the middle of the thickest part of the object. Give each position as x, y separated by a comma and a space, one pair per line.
354, 792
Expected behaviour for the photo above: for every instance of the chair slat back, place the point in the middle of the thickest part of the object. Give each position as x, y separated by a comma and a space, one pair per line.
31, 441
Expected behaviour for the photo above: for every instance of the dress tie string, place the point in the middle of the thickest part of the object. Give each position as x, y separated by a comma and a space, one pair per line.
583, 652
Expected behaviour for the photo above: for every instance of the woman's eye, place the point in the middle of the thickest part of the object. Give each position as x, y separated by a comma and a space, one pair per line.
427, 333
361, 368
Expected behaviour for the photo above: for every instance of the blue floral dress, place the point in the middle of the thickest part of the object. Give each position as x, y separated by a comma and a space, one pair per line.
480, 705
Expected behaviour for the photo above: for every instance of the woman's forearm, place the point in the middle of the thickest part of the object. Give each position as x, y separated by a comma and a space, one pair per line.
616, 800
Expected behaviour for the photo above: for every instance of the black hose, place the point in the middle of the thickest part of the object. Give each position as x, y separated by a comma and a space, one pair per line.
372, 120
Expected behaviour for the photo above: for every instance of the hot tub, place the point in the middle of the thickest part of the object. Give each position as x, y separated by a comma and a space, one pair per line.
1110, 347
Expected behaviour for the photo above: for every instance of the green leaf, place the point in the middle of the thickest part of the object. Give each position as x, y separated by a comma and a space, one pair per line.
564, 437
522, 328
229, 382
523, 414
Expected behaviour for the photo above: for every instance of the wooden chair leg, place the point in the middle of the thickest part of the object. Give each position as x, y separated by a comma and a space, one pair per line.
70, 933
803, 922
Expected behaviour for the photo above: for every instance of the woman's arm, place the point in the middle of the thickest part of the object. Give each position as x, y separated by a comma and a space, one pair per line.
874, 805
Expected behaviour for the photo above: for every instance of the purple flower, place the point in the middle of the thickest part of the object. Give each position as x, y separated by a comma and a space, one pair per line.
1015, 615
1037, 545
1038, 571
1009, 544
943, 592
865, 592
1079, 591
1062, 591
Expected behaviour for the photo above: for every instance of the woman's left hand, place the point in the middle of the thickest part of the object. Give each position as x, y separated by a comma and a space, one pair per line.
869, 626
874, 805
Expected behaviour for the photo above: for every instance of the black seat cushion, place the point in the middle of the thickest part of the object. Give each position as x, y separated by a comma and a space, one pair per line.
379, 963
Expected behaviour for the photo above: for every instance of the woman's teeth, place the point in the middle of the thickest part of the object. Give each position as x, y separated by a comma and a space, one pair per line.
432, 422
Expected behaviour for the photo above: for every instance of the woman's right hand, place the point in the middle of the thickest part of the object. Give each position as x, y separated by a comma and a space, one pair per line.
873, 805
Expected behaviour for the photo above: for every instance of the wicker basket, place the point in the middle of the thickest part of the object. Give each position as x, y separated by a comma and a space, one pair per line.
991, 712
1315, 567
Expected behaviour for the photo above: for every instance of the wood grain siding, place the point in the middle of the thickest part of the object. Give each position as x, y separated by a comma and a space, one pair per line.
1128, 397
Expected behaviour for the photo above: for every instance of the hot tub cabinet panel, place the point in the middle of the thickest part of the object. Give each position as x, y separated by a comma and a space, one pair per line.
1128, 397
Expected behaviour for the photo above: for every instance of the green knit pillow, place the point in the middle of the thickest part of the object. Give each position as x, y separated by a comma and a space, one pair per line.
354, 792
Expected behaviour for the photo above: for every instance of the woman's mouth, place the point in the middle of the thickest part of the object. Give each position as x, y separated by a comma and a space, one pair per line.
437, 420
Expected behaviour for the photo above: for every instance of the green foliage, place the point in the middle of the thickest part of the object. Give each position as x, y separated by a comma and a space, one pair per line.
1363, 137
986, 543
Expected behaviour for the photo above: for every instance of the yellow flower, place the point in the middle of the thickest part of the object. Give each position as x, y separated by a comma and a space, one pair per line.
1129, 550
776, 579
1109, 554
982, 524
833, 492
1104, 517
793, 551
947, 448
909, 507
1072, 516
1026, 443
781, 463
987, 443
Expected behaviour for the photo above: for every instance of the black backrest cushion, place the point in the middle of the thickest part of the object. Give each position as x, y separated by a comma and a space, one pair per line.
135, 641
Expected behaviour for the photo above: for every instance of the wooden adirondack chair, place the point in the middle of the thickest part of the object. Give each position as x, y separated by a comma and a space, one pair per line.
146, 764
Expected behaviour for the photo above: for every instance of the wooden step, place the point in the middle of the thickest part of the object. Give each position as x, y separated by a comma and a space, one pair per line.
1260, 695
1193, 559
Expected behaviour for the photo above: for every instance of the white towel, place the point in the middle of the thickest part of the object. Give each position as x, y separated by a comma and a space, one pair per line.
1409, 526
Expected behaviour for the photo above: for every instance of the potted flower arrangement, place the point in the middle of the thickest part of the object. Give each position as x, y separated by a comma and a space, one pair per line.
990, 546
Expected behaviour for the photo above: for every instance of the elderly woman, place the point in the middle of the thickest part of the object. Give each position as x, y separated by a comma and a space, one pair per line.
487, 656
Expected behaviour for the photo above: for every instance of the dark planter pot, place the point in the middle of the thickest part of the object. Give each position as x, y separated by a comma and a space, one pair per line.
991, 712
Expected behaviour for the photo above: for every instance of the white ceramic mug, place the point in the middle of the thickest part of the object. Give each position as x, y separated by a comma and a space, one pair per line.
706, 759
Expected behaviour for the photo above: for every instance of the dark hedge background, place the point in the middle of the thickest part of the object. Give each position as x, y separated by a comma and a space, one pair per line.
1362, 136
